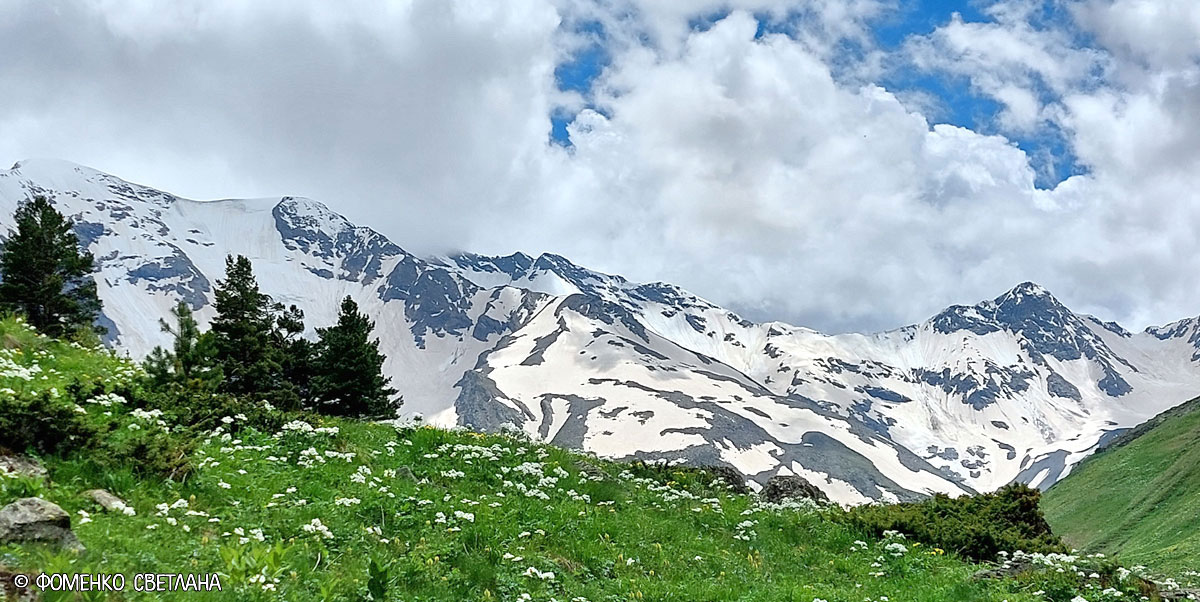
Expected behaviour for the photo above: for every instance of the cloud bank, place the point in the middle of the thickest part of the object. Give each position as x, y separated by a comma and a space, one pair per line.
749, 151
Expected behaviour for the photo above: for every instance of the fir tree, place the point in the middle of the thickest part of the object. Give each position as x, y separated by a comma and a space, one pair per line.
242, 334
46, 277
348, 369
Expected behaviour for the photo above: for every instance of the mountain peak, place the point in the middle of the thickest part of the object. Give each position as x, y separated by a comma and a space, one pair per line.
1027, 297
52, 171
1010, 311
312, 214
1027, 289
47, 164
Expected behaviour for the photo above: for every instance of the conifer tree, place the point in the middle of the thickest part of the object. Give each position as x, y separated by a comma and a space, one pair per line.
191, 362
242, 334
46, 276
348, 369
295, 355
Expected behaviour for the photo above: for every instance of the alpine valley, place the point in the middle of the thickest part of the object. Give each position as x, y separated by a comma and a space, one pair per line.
1018, 388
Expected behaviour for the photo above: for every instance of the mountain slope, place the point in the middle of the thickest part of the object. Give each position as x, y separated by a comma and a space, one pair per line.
1140, 497
1015, 388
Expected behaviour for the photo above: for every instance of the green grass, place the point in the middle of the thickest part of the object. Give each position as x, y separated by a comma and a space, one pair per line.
1140, 499
31, 363
662, 538
423, 514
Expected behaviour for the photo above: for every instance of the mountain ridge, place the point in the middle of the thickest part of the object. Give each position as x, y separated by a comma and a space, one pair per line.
1013, 388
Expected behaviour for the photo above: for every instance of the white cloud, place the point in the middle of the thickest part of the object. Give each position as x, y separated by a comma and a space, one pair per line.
1009, 60
1159, 34
769, 174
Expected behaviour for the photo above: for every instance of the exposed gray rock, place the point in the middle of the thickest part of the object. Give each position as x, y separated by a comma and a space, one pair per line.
33, 519
1004, 570
1179, 594
21, 466
478, 404
106, 500
1060, 387
574, 428
174, 274
1055, 462
541, 344
781, 487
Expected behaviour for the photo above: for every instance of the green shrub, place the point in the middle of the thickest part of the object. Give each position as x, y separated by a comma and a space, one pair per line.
150, 452
42, 423
201, 411
977, 527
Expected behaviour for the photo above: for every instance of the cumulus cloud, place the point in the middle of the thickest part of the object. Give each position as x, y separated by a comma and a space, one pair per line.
742, 148
1009, 60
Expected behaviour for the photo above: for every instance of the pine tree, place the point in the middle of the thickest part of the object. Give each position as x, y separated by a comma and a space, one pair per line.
191, 362
242, 334
348, 369
46, 277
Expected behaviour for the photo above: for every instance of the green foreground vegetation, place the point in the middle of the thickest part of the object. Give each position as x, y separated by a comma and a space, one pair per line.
327, 508
1140, 498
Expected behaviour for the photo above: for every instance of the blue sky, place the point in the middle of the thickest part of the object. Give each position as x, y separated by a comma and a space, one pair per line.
958, 104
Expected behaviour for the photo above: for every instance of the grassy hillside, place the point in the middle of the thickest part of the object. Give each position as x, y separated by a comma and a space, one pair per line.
1140, 498
327, 509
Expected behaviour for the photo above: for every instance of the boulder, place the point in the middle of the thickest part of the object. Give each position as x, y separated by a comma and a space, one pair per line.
108, 501
730, 476
781, 487
33, 519
1004, 570
21, 466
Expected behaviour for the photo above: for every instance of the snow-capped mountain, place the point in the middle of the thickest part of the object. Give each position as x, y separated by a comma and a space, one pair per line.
1016, 388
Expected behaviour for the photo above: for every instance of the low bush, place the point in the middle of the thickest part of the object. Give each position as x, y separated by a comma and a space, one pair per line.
150, 452
42, 423
977, 527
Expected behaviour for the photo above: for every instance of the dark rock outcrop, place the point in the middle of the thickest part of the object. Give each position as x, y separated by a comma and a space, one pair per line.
780, 487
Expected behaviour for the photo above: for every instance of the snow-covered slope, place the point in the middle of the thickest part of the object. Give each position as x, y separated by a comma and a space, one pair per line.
1016, 388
